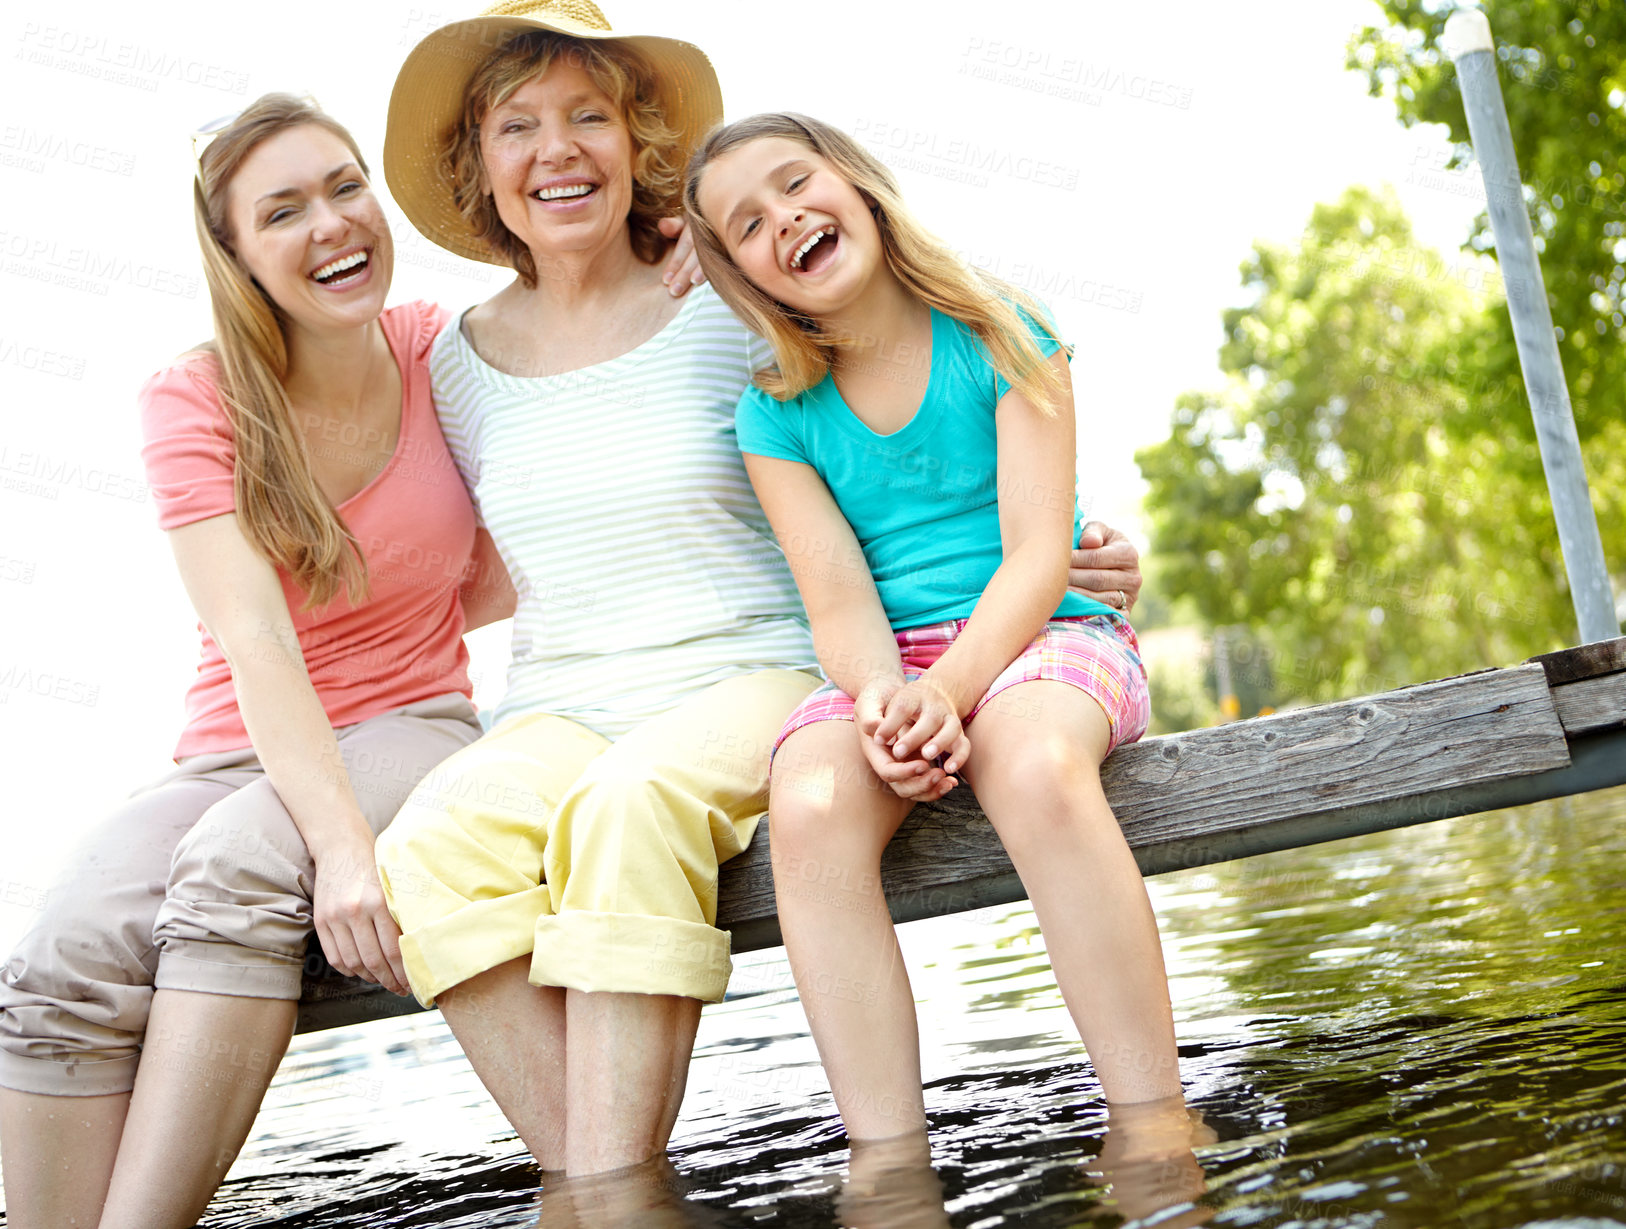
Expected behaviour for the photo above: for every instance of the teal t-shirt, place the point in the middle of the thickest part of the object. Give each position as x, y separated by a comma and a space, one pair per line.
922, 501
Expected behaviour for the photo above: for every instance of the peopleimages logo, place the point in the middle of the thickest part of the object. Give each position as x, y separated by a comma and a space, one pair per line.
87, 269
16, 678
121, 61
32, 148
960, 159
41, 473
40, 360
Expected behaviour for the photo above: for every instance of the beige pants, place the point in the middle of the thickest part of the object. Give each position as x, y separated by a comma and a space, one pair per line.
199, 882
597, 859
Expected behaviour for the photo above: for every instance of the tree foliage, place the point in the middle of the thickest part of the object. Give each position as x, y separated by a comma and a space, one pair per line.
1341, 496
1364, 494
1563, 77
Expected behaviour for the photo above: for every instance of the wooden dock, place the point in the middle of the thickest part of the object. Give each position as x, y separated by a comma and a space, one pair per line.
1551, 727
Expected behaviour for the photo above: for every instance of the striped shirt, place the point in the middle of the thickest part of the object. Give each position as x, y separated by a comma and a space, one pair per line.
617, 497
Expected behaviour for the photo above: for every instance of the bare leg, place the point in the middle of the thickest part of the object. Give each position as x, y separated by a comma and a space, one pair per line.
830, 818
514, 1036
607, 1101
1035, 771
59, 1154
627, 1066
206, 1063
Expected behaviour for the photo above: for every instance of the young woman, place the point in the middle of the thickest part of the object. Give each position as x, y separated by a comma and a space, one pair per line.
914, 452
331, 550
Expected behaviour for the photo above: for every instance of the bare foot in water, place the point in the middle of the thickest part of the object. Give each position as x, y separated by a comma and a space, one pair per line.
891, 1185
1147, 1160
646, 1196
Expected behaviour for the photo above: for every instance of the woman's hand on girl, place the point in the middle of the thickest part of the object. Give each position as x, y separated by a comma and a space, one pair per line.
682, 266
357, 933
1105, 566
914, 778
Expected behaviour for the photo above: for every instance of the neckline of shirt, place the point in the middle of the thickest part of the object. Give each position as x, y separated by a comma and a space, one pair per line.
402, 354
642, 353
925, 414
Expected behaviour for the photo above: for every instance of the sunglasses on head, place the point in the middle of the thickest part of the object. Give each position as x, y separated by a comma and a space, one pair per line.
206, 133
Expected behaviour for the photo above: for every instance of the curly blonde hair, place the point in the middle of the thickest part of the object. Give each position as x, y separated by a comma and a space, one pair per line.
627, 79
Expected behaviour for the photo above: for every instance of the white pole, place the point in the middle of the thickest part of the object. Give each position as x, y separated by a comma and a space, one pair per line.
1468, 42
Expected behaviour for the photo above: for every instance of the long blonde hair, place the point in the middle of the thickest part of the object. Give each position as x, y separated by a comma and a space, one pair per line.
629, 82
280, 506
926, 266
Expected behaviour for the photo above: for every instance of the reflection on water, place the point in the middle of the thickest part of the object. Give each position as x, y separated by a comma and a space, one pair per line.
1417, 1028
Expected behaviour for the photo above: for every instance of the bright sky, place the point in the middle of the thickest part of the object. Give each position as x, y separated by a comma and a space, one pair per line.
1119, 167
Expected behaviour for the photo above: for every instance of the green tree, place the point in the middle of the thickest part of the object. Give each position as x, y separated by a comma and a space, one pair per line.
1563, 78
1338, 496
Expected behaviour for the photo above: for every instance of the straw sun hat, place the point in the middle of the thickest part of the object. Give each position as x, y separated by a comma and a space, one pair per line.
429, 90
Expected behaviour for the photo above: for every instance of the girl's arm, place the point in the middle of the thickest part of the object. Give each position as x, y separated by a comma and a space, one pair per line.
239, 599
851, 634
487, 594
1037, 482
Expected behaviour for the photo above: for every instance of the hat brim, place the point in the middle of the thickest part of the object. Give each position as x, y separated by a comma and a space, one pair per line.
428, 99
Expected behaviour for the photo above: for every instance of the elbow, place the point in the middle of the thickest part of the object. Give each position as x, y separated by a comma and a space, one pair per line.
1053, 572
1055, 587
252, 642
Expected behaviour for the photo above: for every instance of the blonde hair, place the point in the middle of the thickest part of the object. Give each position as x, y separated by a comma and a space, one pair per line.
926, 266
282, 509
657, 170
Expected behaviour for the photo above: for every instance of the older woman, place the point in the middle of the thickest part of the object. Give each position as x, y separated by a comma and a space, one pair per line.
556, 882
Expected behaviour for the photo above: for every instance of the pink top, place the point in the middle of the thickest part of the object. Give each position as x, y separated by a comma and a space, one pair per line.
414, 522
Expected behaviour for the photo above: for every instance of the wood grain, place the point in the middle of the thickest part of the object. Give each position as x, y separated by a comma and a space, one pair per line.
1198, 797
1591, 704
1584, 661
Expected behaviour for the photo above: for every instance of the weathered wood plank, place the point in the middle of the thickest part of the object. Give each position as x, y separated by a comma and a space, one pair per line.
1194, 786
1584, 661
1591, 704
1478, 727
1186, 800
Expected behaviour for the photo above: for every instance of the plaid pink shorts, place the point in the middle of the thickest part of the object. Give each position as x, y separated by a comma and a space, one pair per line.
1098, 654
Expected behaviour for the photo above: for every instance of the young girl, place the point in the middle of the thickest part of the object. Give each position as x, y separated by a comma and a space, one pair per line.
914, 452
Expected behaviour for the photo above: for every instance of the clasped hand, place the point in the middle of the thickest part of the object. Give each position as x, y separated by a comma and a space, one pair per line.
903, 728
353, 923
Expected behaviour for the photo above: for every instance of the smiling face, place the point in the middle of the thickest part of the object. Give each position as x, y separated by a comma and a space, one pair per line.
557, 160
793, 224
305, 223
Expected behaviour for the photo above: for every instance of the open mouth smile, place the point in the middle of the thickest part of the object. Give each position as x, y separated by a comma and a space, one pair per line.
815, 251
344, 270
564, 192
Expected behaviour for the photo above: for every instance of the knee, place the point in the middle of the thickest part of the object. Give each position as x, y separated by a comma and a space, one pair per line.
822, 816
417, 855
1050, 788
631, 797
1047, 764
232, 848
404, 841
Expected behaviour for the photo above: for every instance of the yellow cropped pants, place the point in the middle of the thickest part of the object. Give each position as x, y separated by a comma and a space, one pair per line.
598, 859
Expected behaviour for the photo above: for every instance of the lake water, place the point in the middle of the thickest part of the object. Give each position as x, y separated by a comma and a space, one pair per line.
1418, 1028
